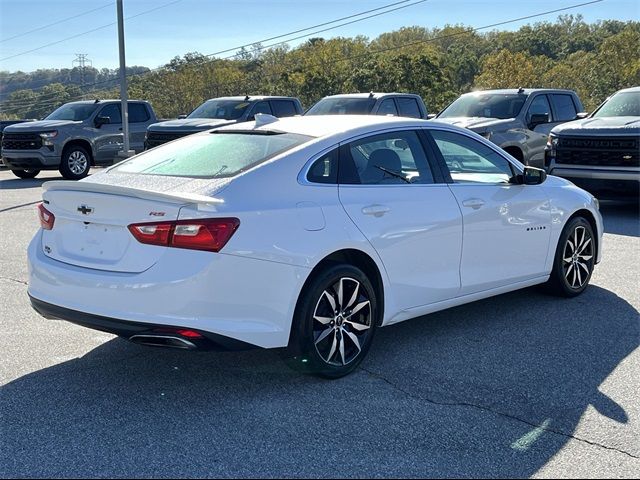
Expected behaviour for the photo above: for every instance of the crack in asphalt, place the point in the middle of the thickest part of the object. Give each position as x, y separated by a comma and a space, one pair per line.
495, 412
14, 280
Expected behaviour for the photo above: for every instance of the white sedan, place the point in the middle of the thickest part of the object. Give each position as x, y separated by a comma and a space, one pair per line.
306, 233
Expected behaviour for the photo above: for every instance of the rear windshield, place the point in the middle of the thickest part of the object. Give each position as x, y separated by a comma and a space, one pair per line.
492, 105
73, 111
214, 155
623, 104
342, 106
221, 109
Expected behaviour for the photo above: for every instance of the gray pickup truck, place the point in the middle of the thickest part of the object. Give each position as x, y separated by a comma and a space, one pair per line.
601, 153
218, 112
74, 137
396, 104
517, 120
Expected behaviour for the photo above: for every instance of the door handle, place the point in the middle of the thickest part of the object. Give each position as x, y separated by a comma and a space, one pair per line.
375, 210
474, 203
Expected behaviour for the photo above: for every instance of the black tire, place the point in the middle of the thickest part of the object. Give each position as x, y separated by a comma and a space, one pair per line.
75, 163
574, 259
345, 339
25, 173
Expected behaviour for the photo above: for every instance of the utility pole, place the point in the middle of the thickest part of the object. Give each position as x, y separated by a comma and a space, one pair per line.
123, 84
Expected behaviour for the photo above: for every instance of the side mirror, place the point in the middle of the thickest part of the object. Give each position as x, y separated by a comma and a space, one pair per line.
533, 176
538, 119
431, 116
99, 121
581, 115
182, 117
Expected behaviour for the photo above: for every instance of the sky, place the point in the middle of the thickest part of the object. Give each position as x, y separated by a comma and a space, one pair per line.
158, 30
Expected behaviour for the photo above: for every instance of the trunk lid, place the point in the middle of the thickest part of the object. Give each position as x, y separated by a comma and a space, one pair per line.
91, 221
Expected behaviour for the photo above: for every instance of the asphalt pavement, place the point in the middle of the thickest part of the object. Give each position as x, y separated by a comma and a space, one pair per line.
520, 385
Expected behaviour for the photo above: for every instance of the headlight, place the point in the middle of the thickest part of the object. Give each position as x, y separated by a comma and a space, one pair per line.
49, 135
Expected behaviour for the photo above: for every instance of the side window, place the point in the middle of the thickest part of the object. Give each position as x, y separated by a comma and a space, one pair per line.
389, 158
138, 113
387, 107
564, 107
283, 108
408, 107
112, 111
470, 161
262, 107
325, 169
539, 105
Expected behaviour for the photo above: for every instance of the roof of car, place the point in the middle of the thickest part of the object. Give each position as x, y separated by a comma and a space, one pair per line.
370, 95
631, 89
105, 100
512, 91
326, 125
253, 98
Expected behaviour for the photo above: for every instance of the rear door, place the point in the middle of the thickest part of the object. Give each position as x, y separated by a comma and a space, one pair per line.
138, 120
410, 217
109, 139
507, 227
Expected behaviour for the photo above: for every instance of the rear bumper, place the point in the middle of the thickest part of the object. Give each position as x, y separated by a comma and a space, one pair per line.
128, 329
244, 299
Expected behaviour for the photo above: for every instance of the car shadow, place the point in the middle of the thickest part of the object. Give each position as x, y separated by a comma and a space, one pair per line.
490, 389
621, 218
20, 183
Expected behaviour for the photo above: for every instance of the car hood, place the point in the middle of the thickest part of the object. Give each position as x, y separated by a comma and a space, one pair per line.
39, 126
476, 123
190, 125
602, 125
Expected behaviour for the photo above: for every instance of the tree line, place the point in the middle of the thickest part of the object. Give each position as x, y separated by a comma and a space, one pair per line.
437, 63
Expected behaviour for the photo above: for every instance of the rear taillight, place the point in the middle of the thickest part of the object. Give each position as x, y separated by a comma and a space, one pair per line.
210, 234
46, 217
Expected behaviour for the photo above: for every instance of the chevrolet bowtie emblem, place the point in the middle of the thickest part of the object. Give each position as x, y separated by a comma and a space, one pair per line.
85, 210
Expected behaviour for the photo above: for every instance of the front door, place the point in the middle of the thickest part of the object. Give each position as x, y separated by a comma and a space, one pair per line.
389, 190
109, 139
506, 226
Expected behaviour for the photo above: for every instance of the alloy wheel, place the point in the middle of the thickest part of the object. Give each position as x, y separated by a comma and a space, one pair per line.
577, 258
77, 162
342, 321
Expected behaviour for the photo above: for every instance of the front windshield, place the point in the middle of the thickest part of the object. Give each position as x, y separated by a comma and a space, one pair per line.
623, 104
73, 111
221, 109
214, 155
342, 106
488, 105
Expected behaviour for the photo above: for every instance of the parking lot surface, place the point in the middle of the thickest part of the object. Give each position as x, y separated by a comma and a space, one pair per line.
520, 385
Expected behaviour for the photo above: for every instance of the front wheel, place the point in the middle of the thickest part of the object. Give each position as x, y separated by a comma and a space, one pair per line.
25, 173
75, 163
334, 324
574, 259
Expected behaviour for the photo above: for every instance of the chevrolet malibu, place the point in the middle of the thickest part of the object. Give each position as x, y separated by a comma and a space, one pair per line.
307, 233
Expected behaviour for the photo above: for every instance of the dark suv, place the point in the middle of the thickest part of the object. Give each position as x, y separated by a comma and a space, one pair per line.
218, 112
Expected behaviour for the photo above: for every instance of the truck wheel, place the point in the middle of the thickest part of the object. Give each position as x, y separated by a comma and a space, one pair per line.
25, 173
75, 163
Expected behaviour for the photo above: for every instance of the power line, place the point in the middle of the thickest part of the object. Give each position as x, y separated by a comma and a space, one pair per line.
88, 31
272, 38
397, 47
56, 23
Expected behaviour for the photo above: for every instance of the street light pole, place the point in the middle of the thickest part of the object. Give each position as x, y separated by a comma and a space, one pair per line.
123, 83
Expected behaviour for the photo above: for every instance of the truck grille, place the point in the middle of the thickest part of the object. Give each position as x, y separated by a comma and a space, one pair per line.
21, 141
156, 138
599, 151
